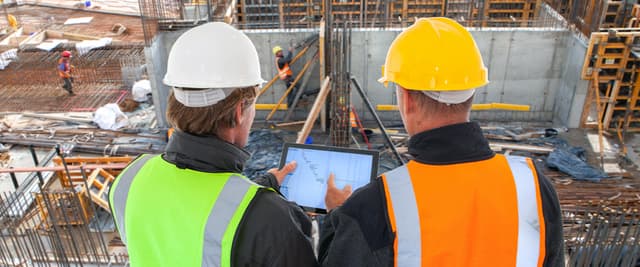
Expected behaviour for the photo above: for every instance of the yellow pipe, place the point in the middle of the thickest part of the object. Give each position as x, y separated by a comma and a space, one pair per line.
489, 106
503, 106
270, 106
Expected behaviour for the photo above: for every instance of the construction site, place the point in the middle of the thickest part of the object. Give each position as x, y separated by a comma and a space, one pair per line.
564, 90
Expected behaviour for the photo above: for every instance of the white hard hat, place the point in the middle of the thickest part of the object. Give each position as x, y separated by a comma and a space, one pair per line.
213, 56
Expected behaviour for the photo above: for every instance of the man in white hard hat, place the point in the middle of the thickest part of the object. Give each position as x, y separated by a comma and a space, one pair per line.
456, 203
191, 206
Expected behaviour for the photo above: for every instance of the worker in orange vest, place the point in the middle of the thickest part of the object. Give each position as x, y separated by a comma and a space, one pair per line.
284, 71
457, 203
65, 69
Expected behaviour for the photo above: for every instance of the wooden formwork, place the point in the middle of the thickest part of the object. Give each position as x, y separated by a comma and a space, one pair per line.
563, 7
407, 11
612, 65
63, 208
99, 182
307, 13
612, 14
500, 13
75, 176
633, 21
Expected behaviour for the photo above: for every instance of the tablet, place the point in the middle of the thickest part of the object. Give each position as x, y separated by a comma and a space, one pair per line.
307, 184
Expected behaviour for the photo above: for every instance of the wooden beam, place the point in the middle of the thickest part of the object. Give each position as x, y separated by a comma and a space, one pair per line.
70, 36
315, 110
499, 146
57, 117
289, 123
281, 13
321, 62
229, 14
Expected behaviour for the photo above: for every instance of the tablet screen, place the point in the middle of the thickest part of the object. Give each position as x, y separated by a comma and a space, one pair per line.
307, 184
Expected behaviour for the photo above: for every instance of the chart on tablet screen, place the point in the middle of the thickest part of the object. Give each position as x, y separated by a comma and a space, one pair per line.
307, 185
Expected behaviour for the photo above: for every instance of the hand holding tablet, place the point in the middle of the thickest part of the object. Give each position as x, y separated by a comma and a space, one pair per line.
307, 184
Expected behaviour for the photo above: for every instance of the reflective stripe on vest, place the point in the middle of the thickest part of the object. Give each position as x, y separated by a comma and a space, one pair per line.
398, 184
528, 223
220, 226
405, 219
223, 210
120, 191
285, 71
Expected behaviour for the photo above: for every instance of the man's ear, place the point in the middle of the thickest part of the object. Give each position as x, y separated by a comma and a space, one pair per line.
239, 111
409, 102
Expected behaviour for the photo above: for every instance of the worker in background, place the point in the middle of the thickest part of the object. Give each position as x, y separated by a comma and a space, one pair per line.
65, 69
456, 203
284, 71
191, 206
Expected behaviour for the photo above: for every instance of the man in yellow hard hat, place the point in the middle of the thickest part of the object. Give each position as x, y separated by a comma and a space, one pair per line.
284, 70
456, 203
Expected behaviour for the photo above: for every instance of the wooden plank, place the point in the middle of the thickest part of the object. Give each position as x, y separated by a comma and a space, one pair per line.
404, 13
315, 110
499, 146
57, 117
321, 62
290, 123
70, 36
281, 13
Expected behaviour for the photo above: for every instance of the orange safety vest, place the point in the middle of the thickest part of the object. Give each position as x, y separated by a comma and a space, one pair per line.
285, 71
67, 69
484, 213
352, 120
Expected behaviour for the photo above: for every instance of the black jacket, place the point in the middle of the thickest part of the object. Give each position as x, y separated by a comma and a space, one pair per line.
358, 233
273, 231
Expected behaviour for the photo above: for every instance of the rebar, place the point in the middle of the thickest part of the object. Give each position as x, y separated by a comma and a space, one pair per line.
341, 84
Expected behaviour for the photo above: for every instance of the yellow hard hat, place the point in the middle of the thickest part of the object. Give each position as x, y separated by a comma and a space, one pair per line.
434, 54
276, 49
13, 22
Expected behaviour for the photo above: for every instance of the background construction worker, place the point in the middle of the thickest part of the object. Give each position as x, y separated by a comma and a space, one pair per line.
64, 71
284, 71
457, 203
191, 206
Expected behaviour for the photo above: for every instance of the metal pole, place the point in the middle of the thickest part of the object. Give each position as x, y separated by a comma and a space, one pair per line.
64, 162
14, 180
35, 161
378, 121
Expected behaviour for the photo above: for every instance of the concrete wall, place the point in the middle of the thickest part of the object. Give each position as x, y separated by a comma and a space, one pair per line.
156, 56
573, 90
526, 66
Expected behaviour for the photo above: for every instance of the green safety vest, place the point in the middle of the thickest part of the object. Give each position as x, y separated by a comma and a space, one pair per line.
169, 216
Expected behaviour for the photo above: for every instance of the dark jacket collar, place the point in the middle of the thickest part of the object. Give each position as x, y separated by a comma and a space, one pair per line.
204, 153
457, 143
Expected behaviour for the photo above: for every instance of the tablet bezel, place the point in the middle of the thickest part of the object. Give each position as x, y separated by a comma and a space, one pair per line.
374, 168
